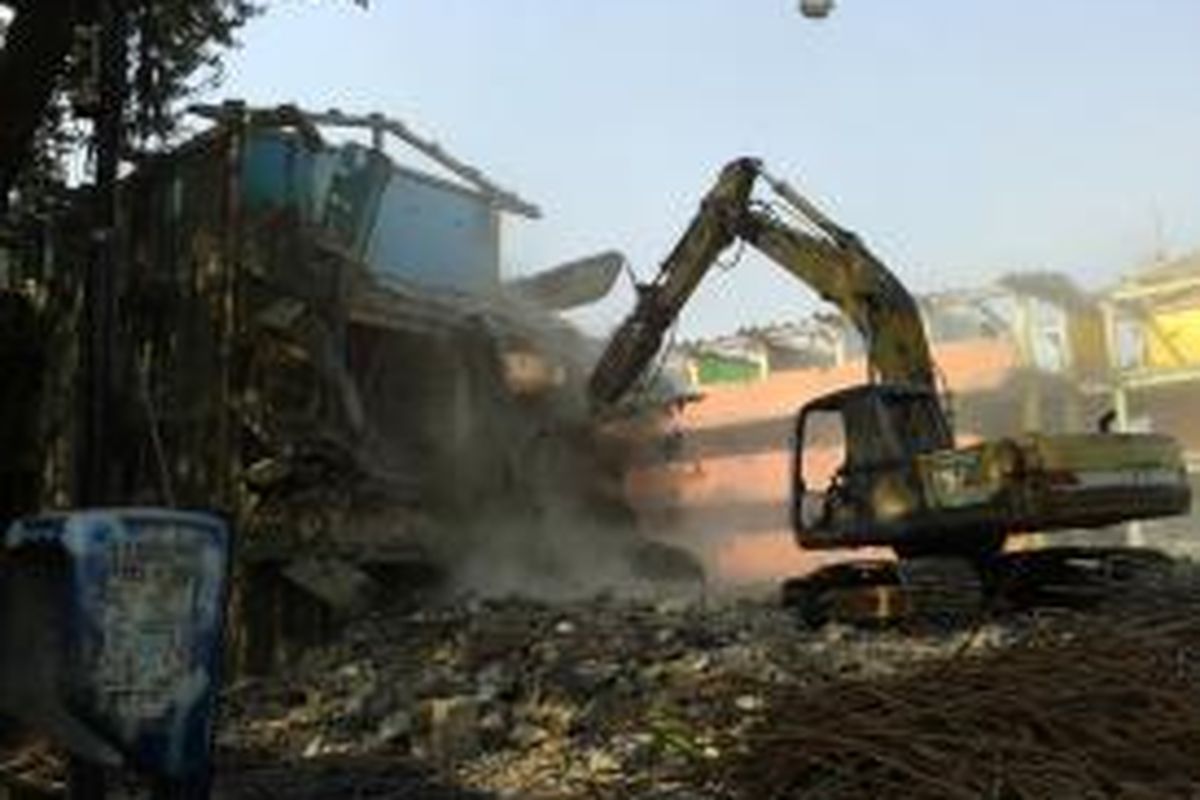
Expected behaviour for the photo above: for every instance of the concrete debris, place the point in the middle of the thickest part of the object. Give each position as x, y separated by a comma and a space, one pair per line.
451, 727
342, 586
601, 698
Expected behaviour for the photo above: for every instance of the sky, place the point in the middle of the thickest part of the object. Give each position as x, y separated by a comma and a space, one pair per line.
961, 140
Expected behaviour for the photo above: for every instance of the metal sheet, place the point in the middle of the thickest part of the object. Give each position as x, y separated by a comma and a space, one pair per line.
435, 236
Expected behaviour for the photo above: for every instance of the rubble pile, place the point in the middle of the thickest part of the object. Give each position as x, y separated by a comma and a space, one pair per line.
687, 699
605, 697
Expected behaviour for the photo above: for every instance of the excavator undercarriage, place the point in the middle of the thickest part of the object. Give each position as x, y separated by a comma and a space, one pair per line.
951, 591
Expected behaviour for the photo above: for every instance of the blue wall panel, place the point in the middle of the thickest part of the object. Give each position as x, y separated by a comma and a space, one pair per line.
434, 235
404, 224
278, 172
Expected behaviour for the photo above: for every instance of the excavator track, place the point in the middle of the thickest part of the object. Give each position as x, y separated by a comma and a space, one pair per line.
928, 591
862, 593
947, 592
941, 591
1074, 576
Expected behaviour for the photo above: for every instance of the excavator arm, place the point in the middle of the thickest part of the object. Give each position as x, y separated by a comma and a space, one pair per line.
830, 259
640, 335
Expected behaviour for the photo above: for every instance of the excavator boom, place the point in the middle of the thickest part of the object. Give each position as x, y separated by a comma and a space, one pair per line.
845, 273
830, 259
636, 341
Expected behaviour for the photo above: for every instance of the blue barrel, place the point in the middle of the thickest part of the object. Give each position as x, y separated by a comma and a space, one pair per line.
142, 599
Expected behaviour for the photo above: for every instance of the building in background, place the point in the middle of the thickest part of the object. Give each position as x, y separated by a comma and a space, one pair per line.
1152, 323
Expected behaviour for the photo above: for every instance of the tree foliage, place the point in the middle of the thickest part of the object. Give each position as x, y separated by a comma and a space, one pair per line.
174, 48
177, 48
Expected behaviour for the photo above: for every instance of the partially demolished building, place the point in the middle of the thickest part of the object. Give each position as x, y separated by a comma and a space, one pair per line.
316, 341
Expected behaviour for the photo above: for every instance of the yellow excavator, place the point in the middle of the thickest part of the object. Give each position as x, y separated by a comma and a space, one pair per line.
902, 483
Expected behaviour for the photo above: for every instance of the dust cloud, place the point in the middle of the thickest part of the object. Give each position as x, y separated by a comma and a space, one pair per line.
535, 492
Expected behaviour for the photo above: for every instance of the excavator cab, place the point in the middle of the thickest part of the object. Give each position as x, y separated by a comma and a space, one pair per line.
853, 479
